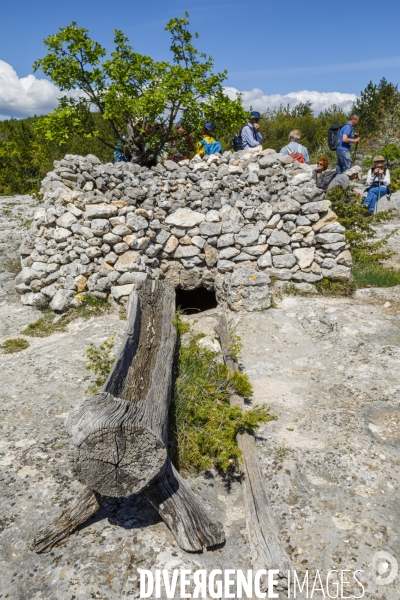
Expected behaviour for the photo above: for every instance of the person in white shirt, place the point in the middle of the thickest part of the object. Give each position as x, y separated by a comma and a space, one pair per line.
378, 180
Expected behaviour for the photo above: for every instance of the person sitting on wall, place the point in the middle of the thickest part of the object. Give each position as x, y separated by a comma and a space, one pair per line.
250, 135
208, 144
345, 179
378, 181
298, 152
321, 175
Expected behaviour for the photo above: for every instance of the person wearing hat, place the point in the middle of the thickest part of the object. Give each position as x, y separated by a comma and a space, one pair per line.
345, 179
251, 137
378, 181
294, 149
201, 147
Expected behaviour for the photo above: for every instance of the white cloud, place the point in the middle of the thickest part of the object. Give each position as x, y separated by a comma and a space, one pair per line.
25, 96
320, 100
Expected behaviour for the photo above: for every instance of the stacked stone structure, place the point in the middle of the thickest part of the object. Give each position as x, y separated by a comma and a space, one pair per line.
230, 223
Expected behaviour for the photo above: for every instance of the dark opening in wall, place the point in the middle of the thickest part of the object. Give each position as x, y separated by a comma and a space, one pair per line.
194, 301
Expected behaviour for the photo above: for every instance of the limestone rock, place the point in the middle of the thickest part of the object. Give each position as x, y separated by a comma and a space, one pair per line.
61, 300
128, 261
119, 291
278, 238
185, 217
304, 257
100, 211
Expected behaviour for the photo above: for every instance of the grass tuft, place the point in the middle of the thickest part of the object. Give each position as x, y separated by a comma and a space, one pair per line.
373, 274
14, 345
46, 325
50, 323
326, 287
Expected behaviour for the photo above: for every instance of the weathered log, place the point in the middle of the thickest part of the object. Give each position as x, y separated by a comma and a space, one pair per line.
266, 548
79, 511
118, 437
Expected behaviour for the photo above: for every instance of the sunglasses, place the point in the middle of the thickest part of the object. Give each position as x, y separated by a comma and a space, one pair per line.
321, 164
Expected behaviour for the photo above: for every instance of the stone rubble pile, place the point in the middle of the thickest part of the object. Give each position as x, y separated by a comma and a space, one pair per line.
228, 223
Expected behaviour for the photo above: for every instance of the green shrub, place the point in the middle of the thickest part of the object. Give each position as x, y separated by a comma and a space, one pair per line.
15, 345
203, 425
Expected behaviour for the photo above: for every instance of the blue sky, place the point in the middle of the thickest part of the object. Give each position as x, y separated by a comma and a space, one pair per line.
277, 47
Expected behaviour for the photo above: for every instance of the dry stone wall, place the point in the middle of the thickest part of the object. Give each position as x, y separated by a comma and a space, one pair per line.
228, 222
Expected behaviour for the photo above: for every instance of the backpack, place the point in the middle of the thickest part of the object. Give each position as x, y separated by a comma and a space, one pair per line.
237, 143
211, 148
327, 177
333, 136
297, 156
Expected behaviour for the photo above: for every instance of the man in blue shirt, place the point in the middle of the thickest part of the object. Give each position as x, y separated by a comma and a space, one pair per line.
251, 137
294, 147
345, 141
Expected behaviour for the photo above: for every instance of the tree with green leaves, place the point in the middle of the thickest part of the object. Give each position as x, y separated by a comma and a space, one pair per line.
138, 97
379, 109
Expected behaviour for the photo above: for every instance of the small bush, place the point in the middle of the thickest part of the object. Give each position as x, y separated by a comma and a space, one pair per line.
15, 345
203, 425
373, 274
100, 361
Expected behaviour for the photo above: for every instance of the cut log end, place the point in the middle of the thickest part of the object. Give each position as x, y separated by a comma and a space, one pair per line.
119, 460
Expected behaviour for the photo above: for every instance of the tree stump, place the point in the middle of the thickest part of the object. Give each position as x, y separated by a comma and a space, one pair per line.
118, 437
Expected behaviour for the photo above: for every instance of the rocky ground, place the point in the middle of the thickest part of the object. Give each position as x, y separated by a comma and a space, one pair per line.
327, 367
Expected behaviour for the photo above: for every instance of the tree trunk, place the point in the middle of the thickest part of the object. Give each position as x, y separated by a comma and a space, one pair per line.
266, 548
118, 437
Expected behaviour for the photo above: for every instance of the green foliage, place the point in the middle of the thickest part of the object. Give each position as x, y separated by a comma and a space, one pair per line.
373, 274
327, 287
89, 306
203, 425
276, 125
27, 154
15, 345
100, 360
376, 104
137, 97
46, 325
50, 323
359, 231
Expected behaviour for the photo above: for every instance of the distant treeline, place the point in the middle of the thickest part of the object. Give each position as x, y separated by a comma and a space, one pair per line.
27, 153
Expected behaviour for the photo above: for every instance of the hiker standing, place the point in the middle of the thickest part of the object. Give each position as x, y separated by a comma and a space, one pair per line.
294, 149
346, 139
208, 144
345, 179
378, 180
251, 137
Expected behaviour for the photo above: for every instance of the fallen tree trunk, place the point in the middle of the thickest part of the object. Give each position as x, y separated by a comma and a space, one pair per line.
266, 548
118, 437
